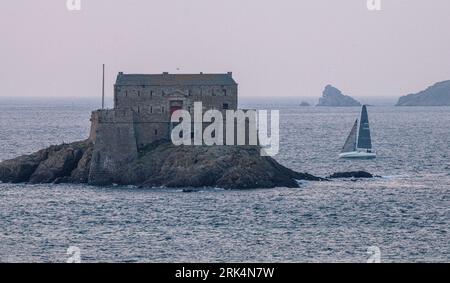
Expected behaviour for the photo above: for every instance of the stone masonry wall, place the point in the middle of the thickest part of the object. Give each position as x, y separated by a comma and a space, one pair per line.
155, 100
114, 144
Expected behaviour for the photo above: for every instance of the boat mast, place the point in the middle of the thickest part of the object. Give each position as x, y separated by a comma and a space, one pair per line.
357, 131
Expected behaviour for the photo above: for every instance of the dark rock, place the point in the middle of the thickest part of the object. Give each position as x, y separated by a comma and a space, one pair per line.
164, 165
227, 167
334, 97
20, 169
59, 164
53, 164
436, 95
354, 174
160, 164
81, 173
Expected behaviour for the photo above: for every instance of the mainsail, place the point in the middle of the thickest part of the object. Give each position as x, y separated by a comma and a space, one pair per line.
364, 140
350, 143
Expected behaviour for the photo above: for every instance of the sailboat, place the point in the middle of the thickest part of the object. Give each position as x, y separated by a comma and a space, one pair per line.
359, 143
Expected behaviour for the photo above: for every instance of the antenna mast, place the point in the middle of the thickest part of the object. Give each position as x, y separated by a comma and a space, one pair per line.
103, 88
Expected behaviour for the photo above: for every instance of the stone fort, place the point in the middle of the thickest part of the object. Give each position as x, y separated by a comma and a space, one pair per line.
143, 104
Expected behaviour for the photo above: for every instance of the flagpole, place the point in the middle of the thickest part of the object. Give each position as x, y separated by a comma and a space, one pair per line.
103, 88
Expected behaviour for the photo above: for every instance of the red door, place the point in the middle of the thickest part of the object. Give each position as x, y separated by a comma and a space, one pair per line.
174, 108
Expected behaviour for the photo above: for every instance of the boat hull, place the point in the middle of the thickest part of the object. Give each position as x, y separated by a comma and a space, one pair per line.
358, 155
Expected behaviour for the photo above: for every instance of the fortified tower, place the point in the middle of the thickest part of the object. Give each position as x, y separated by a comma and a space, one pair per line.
143, 105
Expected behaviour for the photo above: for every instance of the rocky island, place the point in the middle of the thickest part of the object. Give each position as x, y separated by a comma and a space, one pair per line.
435, 95
131, 143
333, 97
159, 165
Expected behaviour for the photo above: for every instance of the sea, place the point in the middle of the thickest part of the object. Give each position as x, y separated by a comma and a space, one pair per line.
402, 215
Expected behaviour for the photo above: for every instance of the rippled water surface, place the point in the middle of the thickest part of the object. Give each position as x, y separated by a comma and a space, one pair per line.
405, 212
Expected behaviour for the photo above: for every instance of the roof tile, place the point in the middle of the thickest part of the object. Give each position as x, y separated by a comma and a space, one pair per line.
166, 79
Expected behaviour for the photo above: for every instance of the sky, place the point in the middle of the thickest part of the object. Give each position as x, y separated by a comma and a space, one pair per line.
282, 48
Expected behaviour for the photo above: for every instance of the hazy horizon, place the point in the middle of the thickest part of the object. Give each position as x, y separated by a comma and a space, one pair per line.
275, 49
243, 101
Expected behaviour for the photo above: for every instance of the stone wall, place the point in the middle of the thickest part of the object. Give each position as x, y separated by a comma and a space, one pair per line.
155, 100
151, 105
119, 134
114, 144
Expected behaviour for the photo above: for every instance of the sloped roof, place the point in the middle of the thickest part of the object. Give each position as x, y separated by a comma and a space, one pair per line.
166, 79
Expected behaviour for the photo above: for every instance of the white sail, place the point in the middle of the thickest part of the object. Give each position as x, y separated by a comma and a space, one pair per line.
350, 143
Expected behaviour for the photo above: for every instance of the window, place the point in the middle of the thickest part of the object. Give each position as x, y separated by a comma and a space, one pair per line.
225, 92
139, 93
225, 106
156, 132
151, 109
151, 93
162, 109
126, 93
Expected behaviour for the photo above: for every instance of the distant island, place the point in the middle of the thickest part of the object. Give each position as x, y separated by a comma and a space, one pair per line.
435, 95
304, 104
333, 97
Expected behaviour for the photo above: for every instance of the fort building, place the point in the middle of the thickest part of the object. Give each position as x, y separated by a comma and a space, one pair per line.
143, 105
148, 101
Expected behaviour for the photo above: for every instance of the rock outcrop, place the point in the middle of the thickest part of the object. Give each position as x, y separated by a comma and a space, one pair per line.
160, 164
436, 95
353, 174
334, 97
232, 167
65, 161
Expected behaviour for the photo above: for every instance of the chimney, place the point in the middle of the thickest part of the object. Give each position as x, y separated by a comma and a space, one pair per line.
165, 73
201, 73
230, 74
120, 73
